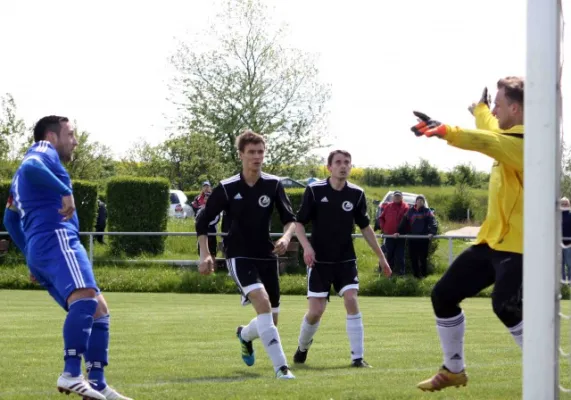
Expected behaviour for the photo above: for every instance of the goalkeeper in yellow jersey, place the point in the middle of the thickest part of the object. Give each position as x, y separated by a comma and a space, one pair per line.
496, 257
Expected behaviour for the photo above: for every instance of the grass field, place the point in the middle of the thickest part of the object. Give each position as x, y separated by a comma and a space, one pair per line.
171, 346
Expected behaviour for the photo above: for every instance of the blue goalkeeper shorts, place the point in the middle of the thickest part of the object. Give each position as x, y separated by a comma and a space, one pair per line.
60, 264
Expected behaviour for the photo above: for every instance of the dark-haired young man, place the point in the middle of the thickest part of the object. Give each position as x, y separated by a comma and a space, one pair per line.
333, 206
497, 256
248, 200
41, 196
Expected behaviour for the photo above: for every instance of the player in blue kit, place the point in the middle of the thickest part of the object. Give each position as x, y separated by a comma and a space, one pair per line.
42, 221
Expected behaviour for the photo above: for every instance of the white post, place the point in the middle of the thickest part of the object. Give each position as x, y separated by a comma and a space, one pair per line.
541, 227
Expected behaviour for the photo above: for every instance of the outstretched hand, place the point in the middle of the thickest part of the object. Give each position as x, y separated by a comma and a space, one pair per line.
427, 126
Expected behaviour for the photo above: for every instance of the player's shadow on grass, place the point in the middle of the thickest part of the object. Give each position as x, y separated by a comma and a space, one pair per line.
238, 377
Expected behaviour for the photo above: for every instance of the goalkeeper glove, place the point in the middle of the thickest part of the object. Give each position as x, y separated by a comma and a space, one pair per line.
486, 98
428, 126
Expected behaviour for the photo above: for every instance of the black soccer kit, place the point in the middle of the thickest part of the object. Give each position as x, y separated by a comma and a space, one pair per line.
248, 246
332, 214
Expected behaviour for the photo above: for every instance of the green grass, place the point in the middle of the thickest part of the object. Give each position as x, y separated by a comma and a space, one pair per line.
172, 346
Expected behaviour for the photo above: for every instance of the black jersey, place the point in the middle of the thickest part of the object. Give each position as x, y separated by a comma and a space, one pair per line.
332, 214
247, 214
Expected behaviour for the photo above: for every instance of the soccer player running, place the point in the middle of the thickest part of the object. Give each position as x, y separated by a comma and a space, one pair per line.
333, 206
42, 220
248, 200
496, 257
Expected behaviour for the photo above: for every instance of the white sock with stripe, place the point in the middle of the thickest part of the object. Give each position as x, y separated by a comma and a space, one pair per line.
451, 332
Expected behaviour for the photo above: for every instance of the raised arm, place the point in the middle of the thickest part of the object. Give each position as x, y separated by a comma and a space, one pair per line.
34, 170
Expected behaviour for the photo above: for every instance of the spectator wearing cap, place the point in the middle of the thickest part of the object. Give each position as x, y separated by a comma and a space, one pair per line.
566, 232
389, 222
419, 220
200, 200
212, 228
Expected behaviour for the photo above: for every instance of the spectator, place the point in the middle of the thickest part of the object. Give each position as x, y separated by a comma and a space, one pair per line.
419, 220
101, 222
200, 200
566, 232
212, 240
389, 222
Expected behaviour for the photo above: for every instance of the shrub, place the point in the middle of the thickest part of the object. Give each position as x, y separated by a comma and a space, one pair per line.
461, 201
85, 196
137, 205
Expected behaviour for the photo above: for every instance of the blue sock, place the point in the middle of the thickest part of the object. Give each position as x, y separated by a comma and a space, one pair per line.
76, 331
97, 352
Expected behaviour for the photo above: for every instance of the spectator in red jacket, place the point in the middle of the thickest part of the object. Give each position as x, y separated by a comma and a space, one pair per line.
200, 200
419, 220
389, 222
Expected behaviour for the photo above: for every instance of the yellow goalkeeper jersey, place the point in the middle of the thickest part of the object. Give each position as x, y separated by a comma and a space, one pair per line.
502, 229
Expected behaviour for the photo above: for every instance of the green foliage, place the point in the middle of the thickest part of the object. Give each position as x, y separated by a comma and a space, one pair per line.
186, 161
460, 203
91, 160
428, 174
376, 177
252, 80
137, 205
404, 175
12, 129
85, 196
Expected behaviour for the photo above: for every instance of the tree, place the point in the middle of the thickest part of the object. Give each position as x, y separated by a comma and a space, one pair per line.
251, 81
91, 159
12, 129
185, 160
428, 174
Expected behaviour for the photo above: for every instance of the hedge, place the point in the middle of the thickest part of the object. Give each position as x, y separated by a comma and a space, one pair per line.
85, 196
181, 280
137, 205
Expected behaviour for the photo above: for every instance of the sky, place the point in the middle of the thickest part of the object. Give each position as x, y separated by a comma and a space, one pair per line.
106, 65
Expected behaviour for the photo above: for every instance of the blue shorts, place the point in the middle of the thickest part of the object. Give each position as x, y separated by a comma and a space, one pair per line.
60, 264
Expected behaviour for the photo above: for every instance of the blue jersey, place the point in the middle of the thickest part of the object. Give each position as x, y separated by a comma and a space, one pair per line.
37, 190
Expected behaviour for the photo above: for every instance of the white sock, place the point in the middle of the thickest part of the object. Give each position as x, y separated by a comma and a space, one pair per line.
451, 332
356, 334
250, 331
517, 333
271, 340
306, 334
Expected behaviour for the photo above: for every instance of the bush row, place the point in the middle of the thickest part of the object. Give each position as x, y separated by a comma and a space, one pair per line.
177, 280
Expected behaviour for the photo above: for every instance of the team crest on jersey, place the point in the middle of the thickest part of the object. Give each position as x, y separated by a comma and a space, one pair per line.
264, 201
10, 202
347, 206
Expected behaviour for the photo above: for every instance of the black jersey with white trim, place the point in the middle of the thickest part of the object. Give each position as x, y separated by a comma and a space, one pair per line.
332, 214
247, 214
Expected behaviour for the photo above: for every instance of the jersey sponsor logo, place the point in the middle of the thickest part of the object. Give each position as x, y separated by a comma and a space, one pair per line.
264, 201
347, 206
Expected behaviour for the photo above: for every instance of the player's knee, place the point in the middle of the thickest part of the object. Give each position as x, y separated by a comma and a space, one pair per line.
442, 305
260, 300
102, 308
509, 311
84, 293
315, 312
351, 302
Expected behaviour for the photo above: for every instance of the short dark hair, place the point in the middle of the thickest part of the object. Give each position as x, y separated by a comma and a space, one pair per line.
334, 153
51, 123
513, 88
248, 137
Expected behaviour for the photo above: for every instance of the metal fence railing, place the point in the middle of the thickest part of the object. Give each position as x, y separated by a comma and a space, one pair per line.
449, 238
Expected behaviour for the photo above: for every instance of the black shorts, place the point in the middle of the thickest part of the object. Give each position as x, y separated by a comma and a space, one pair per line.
321, 276
251, 274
